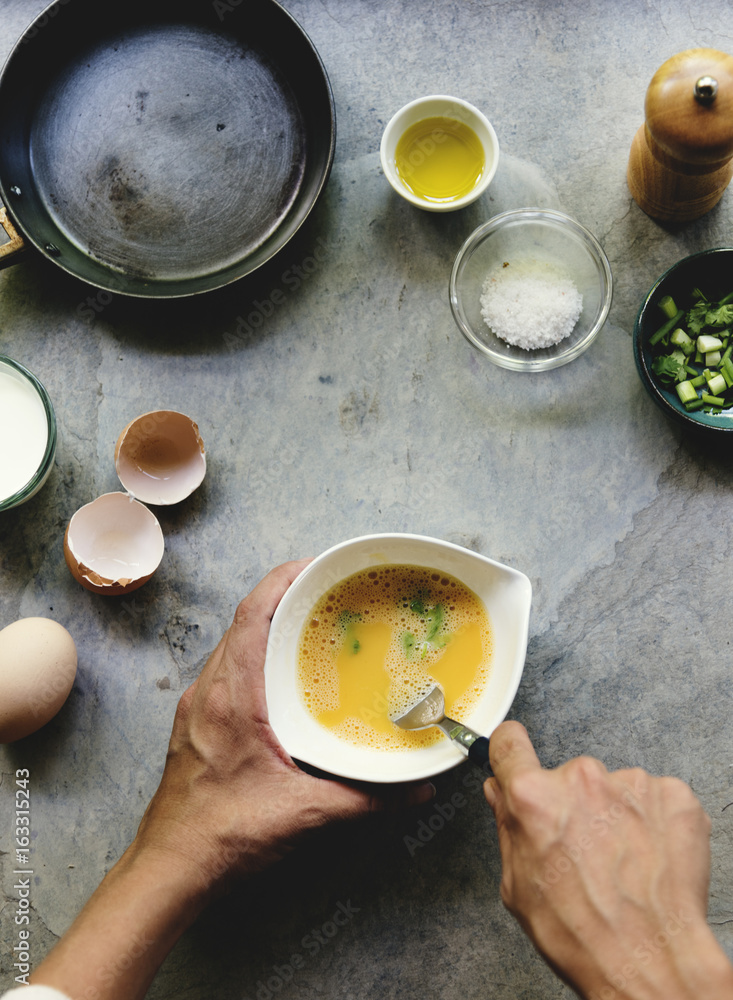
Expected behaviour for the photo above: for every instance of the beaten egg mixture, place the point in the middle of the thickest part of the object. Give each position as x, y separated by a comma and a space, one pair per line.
373, 644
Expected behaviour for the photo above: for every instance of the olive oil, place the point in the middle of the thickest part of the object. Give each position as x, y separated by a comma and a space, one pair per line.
440, 159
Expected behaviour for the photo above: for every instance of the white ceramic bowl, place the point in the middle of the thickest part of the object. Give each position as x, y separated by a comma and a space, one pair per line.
506, 594
438, 105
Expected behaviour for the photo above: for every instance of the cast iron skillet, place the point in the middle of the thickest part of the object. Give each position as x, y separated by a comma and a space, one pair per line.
162, 148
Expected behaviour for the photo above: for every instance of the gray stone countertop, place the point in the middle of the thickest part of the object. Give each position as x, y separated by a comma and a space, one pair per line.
355, 406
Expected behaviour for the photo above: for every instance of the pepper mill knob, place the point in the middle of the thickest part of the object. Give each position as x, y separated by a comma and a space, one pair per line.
681, 158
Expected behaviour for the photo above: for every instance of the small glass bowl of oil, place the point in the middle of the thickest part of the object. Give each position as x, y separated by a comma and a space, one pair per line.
439, 153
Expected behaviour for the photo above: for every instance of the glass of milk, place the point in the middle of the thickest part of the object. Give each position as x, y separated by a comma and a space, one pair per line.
27, 434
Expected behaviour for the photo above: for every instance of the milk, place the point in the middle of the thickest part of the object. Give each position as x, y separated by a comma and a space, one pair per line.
23, 432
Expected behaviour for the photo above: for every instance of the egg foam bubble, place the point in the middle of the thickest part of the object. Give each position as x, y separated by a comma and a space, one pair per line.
376, 642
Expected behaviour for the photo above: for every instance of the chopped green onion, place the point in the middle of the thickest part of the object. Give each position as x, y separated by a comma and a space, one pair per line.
709, 400
666, 328
692, 352
435, 620
668, 307
706, 343
680, 339
687, 392
716, 384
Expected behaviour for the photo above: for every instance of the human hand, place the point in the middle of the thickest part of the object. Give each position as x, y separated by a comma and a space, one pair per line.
607, 872
231, 801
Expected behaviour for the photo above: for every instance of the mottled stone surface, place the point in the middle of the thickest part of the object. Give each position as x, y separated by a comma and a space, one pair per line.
356, 406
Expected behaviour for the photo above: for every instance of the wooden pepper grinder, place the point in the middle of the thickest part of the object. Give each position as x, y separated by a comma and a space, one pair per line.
681, 159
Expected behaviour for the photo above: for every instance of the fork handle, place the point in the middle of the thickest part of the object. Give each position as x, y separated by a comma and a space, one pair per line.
474, 746
478, 752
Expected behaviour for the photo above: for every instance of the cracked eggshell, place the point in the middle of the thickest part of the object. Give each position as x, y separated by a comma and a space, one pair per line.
113, 545
38, 663
160, 457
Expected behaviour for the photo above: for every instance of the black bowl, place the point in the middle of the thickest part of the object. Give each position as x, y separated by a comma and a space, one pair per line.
712, 272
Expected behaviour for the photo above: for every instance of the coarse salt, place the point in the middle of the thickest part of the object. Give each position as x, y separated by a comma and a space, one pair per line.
530, 304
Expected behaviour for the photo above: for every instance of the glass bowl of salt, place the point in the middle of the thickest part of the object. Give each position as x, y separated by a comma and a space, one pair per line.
531, 289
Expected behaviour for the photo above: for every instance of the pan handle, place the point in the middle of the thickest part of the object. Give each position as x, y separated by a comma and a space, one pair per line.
11, 251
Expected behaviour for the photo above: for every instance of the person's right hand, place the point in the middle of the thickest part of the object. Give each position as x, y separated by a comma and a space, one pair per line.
608, 874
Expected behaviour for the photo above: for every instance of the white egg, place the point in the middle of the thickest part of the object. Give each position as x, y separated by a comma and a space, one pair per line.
38, 663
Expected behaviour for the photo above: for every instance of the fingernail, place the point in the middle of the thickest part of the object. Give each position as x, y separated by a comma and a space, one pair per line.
425, 792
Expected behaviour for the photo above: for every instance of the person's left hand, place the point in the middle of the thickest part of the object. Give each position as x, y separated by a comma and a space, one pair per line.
231, 800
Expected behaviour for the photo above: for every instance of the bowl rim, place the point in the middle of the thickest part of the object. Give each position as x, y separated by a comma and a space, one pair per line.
328, 752
561, 221
43, 471
472, 112
667, 401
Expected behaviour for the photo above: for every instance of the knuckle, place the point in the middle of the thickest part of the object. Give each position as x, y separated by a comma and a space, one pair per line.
676, 788
587, 776
183, 709
635, 775
242, 614
587, 769
677, 793
531, 806
526, 789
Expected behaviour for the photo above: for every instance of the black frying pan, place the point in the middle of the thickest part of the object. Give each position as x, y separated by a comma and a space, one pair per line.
163, 147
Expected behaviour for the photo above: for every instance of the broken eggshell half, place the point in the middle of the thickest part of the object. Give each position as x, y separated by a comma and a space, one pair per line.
113, 545
160, 457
